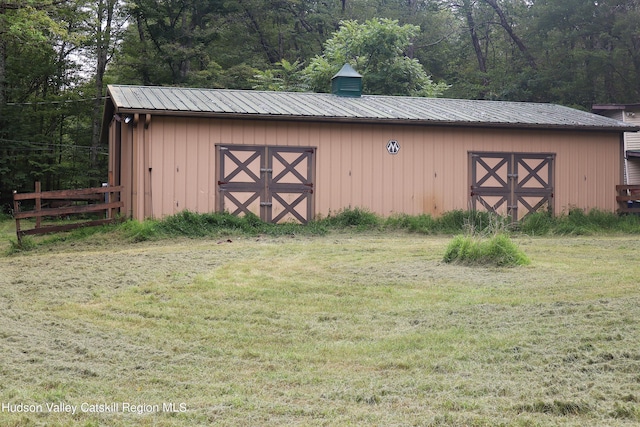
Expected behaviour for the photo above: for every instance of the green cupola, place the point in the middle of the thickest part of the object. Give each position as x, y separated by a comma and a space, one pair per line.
347, 82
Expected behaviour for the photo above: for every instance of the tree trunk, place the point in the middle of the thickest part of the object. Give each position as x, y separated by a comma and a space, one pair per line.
3, 64
3, 78
482, 62
268, 50
144, 69
105, 13
505, 24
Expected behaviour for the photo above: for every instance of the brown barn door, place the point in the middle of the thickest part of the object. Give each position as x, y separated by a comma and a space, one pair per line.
275, 183
290, 184
241, 179
513, 184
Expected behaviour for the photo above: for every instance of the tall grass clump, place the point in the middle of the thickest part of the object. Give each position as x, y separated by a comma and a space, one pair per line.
537, 224
452, 222
423, 223
485, 242
577, 222
191, 224
358, 218
15, 246
140, 231
195, 225
497, 250
471, 221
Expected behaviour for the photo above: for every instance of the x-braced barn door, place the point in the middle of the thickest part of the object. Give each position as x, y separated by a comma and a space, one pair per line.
513, 184
275, 183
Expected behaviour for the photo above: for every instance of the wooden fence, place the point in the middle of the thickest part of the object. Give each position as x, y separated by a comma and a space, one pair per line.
628, 198
66, 203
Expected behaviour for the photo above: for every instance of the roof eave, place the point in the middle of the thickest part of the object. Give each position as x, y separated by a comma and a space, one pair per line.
370, 120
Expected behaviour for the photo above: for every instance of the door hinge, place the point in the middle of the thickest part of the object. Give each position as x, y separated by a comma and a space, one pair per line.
267, 170
266, 204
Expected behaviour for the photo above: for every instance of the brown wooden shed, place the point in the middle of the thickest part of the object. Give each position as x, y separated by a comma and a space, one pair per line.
292, 156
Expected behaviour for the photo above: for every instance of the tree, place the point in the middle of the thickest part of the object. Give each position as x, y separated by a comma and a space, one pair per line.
23, 22
589, 51
287, 77
170, 42
30, 67
493, 61
103, 28
377, 50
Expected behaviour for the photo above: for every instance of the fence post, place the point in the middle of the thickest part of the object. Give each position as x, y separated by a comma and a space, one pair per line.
38, 203
107, 200
110, 212
16, 209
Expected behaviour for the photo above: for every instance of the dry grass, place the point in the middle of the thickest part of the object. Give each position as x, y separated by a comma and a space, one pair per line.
346, 329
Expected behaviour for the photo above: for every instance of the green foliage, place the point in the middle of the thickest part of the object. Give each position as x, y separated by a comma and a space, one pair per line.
29, 23
537, 223
285, 77
498, 250
358, 218
191, 224
482, 236
478, 224
423, 223
578, 222
140, 231
26, 244
194, 225
45, 107
376, 49
471, 221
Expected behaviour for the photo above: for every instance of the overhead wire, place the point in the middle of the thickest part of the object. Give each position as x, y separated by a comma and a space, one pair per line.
42, 146
65, 101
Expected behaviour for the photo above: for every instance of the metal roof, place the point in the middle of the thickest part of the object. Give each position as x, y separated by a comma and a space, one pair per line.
368, 108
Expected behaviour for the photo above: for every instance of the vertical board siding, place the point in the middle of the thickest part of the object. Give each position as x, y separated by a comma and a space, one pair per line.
429, 175
632, 142
180, 169
126, 170
191, 167
165, 175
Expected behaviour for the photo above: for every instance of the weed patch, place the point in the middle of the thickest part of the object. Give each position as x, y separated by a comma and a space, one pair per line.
27, 244
577, 222
358, 218
194, 225
424, 223
498, 250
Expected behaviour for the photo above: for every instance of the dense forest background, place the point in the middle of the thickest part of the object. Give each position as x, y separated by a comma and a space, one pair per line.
56, 57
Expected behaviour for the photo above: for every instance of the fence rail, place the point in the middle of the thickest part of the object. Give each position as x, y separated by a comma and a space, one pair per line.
628, 198
66, 203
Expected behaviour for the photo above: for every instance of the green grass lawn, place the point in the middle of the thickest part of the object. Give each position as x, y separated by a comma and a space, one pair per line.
343, 329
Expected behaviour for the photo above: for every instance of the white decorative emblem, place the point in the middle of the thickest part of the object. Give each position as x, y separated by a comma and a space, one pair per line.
393, 147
